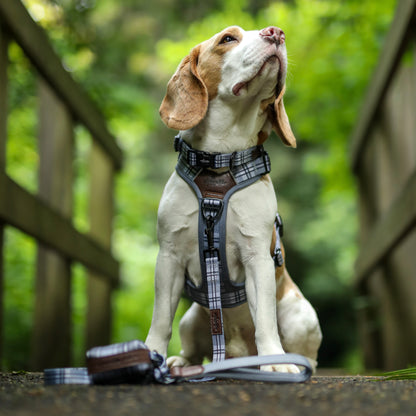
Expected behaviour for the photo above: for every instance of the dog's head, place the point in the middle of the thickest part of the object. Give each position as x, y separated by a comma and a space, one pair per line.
233, 65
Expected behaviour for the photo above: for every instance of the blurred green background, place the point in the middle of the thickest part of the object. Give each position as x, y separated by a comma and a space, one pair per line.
123, 53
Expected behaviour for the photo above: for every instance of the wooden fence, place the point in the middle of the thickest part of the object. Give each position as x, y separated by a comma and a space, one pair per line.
47, 216
384, 160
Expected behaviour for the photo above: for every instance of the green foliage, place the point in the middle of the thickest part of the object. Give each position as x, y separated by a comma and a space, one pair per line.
19, 263
405, 374
21, 150
123, 53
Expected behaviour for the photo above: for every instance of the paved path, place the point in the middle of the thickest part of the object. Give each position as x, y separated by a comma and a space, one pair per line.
25, 394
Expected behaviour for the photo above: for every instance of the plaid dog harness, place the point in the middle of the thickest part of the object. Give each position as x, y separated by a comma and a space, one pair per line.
213, 191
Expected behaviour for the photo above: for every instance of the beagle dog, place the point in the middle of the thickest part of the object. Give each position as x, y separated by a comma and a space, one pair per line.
226, 96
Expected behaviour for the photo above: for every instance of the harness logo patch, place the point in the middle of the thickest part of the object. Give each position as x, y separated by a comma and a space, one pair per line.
216, 325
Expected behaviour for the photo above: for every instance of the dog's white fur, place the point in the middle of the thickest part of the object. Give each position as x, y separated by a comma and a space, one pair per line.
226, 96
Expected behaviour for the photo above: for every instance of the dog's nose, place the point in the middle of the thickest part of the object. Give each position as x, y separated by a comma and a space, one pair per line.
273, 34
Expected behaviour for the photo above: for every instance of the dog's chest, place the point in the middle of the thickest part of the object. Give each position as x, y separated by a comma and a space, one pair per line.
250, 218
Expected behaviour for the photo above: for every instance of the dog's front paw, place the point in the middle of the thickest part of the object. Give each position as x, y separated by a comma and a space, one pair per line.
281, 368
177, 361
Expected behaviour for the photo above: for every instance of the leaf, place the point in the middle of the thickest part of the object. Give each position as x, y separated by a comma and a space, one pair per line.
404, 374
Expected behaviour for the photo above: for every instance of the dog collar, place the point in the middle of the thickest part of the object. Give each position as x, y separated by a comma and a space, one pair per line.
215, 160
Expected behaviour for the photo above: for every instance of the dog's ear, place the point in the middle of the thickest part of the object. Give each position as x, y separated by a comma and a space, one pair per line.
280, 121
186, 100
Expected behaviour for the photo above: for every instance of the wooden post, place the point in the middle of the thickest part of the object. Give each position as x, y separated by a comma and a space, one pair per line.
101, 215
52, 316
3, 137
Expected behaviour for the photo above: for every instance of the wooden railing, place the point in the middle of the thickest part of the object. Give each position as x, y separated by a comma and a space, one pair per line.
48, 216
383, 157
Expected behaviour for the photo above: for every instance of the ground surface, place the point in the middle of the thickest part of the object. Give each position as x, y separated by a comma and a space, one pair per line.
25, 394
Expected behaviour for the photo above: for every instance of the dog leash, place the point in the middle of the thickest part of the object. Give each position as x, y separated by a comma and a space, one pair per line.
132, 362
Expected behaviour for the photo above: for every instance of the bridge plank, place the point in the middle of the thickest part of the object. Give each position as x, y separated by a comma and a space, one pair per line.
52, 312
35, 43
396, 41
3, 136
101, 212
389, 231
28, 213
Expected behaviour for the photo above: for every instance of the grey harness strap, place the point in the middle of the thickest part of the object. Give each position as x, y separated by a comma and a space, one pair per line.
213, 192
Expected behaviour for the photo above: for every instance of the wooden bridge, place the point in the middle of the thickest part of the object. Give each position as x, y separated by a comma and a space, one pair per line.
47, 216
383, 157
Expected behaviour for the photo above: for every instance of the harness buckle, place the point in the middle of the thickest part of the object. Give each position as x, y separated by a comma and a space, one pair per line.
177, 143
209, 231
278, 257
279, 224
266, 159
211, 209
205, 159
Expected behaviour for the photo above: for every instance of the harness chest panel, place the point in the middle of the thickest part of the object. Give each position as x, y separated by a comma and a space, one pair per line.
213, 185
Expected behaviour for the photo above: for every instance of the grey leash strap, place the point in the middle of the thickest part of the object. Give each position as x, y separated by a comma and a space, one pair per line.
242, 369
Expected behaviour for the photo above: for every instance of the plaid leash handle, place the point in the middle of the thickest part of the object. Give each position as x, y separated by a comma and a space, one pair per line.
122, 363
76, 375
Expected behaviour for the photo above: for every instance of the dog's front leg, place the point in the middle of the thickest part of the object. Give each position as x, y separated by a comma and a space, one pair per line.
261, 296
169, 282
261, 289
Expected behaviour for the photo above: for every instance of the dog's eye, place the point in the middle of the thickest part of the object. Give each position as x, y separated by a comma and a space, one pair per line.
227, 39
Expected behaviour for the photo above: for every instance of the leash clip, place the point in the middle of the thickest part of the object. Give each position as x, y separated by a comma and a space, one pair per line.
210, 208
209, 231
278, 255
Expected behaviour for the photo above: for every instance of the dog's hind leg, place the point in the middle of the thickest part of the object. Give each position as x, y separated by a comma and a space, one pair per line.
195, 337
298, 323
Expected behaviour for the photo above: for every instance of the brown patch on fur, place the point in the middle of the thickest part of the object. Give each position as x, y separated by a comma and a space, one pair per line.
284, 283
211, 58
186, 100
265, 103
280, 122
266, 178
262, 137
196, 81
